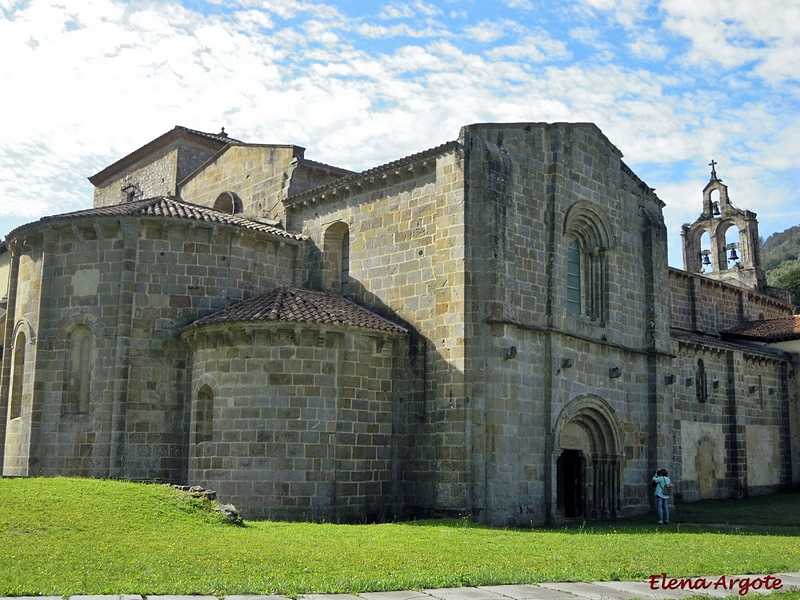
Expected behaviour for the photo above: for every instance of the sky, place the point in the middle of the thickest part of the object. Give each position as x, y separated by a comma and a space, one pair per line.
672, 83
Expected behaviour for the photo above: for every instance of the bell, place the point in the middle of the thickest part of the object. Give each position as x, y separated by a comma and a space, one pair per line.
715, 209
733, 256
706, 258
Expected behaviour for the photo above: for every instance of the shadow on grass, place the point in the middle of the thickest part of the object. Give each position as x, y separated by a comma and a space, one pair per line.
776, 514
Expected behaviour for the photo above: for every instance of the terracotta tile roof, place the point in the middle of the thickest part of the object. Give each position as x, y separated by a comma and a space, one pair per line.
162, 206
216, 141
768, 330
397, 164
298, 305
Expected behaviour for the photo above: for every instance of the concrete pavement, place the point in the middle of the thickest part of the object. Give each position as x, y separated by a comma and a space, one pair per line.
656, 588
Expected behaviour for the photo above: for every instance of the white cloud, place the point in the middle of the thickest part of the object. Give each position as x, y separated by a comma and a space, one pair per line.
407, 10
519, 4
368, 30
625, 12
535, 48
732, 34
397, 11
646, 45
485, 31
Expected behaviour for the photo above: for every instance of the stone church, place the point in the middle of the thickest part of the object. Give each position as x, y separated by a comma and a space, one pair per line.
486, 328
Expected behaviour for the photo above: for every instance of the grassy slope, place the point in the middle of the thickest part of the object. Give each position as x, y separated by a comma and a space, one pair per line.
70, 536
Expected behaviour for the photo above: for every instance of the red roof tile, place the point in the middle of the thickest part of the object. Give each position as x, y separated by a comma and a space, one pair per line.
170, 208
298, 305
768, 330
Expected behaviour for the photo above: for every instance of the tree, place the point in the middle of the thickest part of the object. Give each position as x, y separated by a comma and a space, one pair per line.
790, 280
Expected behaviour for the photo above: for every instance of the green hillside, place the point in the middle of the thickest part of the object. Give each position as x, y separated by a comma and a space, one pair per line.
780, 258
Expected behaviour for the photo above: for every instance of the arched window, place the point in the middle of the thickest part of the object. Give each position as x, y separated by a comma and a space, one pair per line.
733, 253
574, 279
80, 370
707, 257
228, 202
336, 258
204, 417
18, 376
587, 261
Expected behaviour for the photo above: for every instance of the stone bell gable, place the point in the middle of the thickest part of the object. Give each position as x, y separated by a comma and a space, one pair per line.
723, 243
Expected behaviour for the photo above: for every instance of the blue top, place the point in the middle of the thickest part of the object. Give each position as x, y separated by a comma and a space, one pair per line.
661, 486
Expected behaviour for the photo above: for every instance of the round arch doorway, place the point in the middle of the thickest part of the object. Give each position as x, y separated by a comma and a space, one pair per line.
587, 456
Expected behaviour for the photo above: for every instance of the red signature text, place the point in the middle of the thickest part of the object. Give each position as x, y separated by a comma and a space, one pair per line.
724, 582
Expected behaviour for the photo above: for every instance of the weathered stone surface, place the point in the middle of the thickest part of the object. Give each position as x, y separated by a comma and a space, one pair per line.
546, 359
230, 513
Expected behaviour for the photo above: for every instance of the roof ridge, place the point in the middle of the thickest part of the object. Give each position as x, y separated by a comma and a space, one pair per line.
373, 171
154, 145
175, 207
299, 305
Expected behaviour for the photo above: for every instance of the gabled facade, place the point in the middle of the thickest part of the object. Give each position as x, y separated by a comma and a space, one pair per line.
478, 329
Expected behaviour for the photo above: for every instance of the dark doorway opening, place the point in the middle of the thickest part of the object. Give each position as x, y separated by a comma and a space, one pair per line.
571, 484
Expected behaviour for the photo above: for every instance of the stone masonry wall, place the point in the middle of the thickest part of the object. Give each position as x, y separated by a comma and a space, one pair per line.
258, 175
702, 304
407, 247
530, 358
154, 176
730, 422
132, 283
183, 274
303, 420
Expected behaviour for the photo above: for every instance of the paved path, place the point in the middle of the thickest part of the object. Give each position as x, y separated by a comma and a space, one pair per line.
716, 587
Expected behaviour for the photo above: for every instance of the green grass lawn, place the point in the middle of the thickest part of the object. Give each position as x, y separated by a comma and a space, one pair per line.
77, 536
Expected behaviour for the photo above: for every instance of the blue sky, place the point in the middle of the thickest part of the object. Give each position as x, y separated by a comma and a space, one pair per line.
672, 83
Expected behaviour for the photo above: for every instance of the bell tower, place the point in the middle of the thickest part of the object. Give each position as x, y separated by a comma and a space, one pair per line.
723, 242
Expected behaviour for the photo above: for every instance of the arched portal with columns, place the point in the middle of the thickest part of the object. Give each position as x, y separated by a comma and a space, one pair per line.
587, 455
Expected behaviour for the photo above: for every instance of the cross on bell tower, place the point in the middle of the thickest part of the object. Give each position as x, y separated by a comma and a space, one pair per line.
710, 244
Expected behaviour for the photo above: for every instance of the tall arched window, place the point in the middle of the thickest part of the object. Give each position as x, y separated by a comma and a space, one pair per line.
18, 376
587, 261
336, 258
80, 370
204, 417
574, 279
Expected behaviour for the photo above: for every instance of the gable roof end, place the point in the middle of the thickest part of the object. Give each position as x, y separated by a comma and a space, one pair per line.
214, 141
